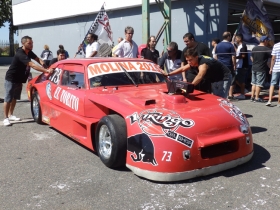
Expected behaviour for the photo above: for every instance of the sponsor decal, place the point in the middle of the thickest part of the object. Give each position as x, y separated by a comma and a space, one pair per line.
163, 122
233, 111
142, 148
115, 67
55, 77
49, 90
67, 98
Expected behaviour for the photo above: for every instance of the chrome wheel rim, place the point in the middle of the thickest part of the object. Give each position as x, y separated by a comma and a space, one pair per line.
105, 142
35, 107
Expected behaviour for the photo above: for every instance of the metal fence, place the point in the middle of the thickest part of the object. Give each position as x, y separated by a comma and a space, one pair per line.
5, 47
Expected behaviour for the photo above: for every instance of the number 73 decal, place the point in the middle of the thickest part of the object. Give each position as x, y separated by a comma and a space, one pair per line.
166, 156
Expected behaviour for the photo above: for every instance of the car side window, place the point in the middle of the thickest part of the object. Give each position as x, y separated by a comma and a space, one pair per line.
73, 79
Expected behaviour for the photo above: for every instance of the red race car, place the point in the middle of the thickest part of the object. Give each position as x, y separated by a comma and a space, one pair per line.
131, 115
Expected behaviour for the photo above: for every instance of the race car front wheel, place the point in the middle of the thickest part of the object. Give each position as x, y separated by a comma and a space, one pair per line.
35, 108
111, 140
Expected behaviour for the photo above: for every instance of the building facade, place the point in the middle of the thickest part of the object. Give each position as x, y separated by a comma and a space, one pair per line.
66, 22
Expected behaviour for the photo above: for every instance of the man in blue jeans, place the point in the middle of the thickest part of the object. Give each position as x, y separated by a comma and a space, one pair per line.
275, 71
17, 74
208, 69
225, 53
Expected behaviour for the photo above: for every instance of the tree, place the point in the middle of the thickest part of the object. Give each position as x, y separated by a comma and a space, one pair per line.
6, 15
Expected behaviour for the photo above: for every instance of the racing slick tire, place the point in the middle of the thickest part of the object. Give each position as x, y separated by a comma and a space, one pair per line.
36, 108
111, 140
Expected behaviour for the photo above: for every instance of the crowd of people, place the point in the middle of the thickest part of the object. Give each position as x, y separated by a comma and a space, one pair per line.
229, 66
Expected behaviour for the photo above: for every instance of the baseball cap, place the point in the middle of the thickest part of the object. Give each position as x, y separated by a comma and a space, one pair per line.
263, 38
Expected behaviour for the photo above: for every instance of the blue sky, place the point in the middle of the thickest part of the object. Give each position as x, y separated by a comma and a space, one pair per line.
4, 33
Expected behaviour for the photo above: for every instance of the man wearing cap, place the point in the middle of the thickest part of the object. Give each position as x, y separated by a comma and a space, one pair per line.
260, 56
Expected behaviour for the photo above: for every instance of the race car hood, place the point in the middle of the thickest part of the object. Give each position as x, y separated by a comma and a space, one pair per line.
198, 106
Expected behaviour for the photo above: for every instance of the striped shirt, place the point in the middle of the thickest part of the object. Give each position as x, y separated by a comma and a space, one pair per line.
276, 53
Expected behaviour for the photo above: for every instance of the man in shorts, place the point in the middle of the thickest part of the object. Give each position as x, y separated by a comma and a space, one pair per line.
275, 71
225, 53
17, 74
260, 56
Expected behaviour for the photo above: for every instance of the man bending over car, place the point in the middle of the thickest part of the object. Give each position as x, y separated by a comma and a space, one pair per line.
209, 69
17, 74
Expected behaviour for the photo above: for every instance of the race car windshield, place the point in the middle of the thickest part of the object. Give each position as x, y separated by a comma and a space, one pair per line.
121, 78
123, 73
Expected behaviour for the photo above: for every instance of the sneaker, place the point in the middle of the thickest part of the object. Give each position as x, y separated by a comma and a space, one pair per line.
6, 122
232, 98
241, 97
259, 100
14, 118
252, 99
268, 103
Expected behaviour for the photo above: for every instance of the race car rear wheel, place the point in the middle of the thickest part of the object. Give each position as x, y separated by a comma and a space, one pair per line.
111, 140
35, 108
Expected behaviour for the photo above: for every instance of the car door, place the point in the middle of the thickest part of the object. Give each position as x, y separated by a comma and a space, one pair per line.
68, 95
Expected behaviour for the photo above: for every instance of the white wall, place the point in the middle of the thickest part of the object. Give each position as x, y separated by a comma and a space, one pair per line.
43, 10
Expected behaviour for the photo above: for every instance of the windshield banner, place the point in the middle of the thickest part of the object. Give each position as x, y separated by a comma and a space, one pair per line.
99, 69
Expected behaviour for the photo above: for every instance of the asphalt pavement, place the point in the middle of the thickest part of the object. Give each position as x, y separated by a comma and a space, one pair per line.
43, 169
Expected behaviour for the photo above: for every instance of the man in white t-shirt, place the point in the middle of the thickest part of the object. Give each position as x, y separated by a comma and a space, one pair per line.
275, 72
92, 46
127, 48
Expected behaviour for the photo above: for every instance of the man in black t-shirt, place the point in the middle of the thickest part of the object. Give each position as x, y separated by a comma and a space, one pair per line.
208, 69
201, 49
241, 64
60, 56
150, 52
259, 57
17, 74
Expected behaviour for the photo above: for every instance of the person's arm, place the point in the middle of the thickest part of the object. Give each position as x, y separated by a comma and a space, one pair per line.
183, 72
39, 68
251, 58
177, 71
162, 61
202, 69
93, 54
40, 61
118, 50
233, 58
273, 59
215, 56
183, 63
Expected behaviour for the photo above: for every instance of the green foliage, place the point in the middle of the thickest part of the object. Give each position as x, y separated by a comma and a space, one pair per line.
5, 12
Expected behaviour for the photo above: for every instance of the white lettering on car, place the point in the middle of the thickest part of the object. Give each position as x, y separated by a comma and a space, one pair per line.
67, 98
56, 93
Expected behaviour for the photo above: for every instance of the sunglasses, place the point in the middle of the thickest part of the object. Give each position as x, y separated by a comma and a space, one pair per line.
129, 33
